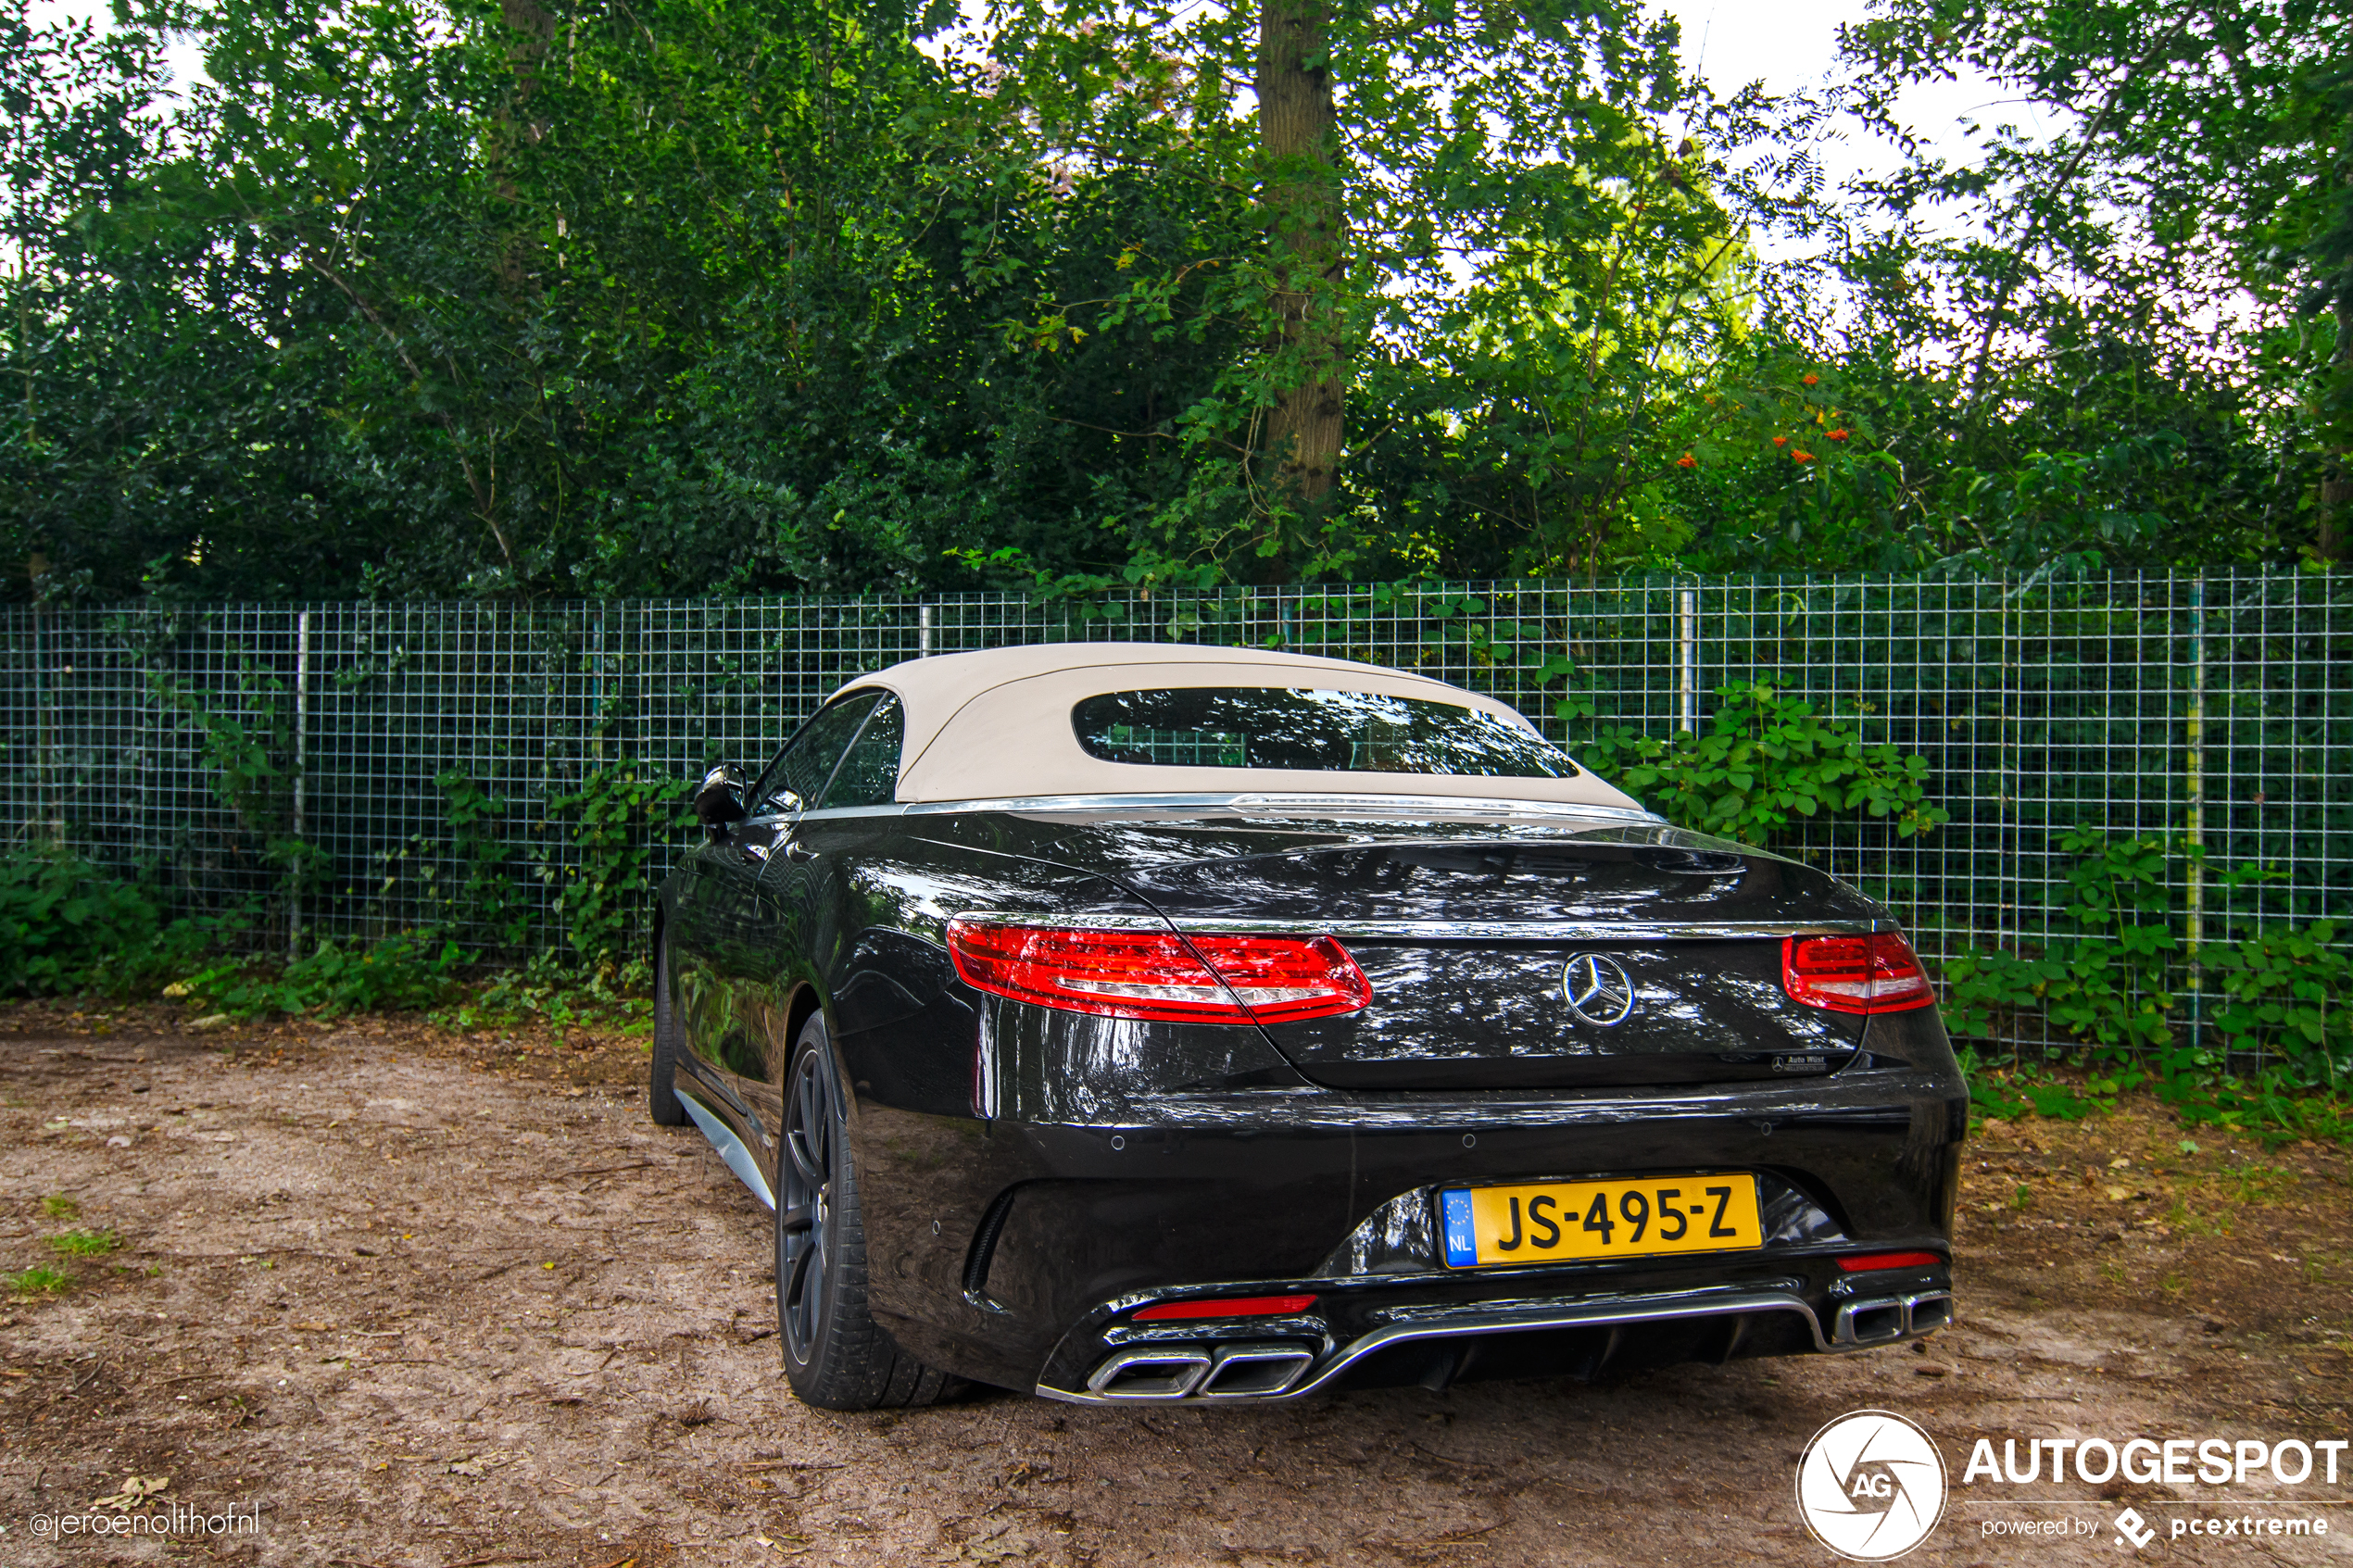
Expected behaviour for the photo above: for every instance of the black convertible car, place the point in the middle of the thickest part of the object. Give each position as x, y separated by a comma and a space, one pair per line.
1142, 1023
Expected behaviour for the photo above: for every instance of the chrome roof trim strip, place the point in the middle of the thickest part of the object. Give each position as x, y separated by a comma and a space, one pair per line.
1469, 930
1383, 805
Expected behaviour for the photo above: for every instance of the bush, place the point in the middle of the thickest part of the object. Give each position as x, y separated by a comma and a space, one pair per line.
2288, 994
1765, 761
616, 817
400, 974
2112, 977
2104, 981
65, 925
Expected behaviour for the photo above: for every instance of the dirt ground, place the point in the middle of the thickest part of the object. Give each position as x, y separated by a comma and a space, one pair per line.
431, 1300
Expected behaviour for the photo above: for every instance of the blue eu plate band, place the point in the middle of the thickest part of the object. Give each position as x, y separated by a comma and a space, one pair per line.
1461, 1246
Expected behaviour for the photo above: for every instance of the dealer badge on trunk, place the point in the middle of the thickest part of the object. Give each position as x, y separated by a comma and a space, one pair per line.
1598, 991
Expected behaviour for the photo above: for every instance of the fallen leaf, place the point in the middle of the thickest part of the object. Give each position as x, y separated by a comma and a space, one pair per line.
135, 1490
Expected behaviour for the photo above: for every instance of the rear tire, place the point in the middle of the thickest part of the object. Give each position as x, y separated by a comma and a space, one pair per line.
661, 1078
836, 1356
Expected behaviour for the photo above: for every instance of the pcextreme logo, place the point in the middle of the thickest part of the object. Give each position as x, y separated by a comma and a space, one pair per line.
1870, 1485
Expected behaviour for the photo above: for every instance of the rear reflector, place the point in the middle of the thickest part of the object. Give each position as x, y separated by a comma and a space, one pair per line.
1873, 973
1227, 1307
1871, 1260
1158, 976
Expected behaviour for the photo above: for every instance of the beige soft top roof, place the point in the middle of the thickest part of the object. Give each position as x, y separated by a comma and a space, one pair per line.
996, 724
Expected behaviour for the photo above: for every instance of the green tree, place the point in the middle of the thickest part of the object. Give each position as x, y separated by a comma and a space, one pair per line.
2193, 211
1494, 251
661, 298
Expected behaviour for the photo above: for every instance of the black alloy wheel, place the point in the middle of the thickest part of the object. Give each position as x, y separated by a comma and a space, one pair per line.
662, 1085
836, 1356
804, 1203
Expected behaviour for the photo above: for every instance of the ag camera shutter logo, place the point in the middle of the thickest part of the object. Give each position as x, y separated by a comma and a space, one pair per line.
1870, 1485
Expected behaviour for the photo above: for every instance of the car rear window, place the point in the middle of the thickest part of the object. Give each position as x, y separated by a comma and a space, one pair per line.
1310, 730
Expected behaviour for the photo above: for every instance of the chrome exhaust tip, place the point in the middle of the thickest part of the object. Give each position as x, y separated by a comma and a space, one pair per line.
1928, 1313
1869, 1323
1886, 1319
1247, 1372
1168, 1372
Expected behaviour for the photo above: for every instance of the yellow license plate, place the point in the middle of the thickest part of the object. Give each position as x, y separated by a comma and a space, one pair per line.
1554, 1221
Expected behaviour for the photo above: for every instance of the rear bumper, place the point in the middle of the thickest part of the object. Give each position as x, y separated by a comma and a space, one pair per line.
1014, 1248
1368, 1333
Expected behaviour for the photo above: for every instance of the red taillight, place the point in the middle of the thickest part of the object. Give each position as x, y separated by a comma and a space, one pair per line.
1227, 1307
1871, 1260
1873, 973
1156, 976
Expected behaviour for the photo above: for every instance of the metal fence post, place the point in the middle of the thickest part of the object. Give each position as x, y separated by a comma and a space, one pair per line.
43, 735
2196, 763
922, 632
301, 726
1687, 661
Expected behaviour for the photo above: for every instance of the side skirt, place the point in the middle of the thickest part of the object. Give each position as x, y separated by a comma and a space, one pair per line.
731, 1148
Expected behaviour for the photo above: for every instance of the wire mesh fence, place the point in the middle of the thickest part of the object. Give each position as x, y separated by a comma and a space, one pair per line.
352, 769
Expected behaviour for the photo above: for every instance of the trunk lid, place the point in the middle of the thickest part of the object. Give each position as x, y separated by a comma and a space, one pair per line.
1618, 960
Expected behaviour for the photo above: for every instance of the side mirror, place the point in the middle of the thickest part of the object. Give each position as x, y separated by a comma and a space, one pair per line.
719, 799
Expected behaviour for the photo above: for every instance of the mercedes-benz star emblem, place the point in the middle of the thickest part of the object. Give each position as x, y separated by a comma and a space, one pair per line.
1597, 989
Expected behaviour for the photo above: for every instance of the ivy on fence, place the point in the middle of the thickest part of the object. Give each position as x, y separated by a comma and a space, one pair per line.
2115, 980
614, 819
1766, 761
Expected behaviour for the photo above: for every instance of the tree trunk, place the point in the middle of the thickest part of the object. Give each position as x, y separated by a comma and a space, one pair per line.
1307, 228
2335, 538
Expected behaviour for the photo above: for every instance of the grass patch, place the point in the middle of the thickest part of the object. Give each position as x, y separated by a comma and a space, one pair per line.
2009, 1092
2259, 1185
610, 997
57, 1206
2274, 1108
84, 1244
399, 974
2189, 1222
37, 1281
